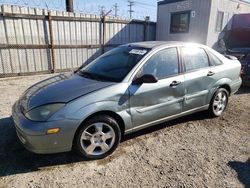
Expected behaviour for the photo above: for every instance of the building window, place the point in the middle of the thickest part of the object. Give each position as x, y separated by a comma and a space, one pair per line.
222, 21
180, 22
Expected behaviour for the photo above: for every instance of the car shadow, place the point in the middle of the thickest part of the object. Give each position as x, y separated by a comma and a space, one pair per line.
15, 159
243, 171
243, 90
189, 118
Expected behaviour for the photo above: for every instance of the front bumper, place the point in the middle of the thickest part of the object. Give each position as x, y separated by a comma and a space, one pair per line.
33, 134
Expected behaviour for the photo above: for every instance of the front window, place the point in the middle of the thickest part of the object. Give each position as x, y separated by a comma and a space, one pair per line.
163, 64
180, 22
114, 65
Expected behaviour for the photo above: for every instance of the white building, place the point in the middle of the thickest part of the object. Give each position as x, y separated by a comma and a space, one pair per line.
199, 21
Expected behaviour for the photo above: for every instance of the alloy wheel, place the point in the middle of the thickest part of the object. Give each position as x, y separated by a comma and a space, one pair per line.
220, 102
97, 139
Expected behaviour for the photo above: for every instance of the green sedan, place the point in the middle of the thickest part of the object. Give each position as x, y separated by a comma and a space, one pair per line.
129, 88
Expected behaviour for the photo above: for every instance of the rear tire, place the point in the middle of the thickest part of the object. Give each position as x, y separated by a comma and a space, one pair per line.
98, 137
219, 102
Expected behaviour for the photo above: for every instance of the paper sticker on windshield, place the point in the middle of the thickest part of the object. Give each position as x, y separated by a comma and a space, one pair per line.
138, 52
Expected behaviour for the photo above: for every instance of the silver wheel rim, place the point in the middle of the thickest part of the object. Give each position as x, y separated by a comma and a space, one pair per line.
97, 138
220, 103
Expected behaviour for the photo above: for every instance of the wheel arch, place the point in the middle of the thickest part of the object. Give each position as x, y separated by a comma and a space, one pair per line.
112, 114
223, 83
227, 87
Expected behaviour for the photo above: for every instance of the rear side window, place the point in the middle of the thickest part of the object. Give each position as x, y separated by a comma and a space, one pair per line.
214, 60
194, 58
162, 64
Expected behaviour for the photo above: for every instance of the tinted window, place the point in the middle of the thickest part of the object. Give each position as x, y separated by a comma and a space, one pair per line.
162, 64
194, 58
214, 60
115, 64
180, 22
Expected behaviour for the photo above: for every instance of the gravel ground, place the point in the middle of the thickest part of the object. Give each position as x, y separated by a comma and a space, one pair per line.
193, 151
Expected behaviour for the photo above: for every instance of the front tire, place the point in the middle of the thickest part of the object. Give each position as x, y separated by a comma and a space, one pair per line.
98, 137
219, 102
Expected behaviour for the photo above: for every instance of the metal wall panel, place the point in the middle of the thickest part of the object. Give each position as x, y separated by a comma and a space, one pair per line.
202, 23
25, 45
198, 25
228, 7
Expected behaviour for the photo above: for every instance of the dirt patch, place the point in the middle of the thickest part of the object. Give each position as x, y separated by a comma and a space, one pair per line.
193, 151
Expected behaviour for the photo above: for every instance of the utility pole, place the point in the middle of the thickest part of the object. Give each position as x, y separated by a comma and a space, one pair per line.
116, 9
102, 10
130, 4
69, 6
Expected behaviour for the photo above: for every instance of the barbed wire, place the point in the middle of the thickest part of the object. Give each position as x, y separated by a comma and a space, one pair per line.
141, 8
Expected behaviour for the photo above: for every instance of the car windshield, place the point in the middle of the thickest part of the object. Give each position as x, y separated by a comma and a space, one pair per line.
114, 65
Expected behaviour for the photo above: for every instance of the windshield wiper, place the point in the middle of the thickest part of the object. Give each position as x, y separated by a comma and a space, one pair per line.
85, 74
91, 75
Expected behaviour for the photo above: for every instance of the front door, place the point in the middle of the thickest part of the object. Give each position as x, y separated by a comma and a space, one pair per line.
151, 102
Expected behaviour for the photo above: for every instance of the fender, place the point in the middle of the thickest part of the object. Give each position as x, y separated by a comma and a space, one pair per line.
219, 83
93, 108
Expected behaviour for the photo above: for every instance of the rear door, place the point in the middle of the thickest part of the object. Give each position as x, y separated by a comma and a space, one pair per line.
199, 77
151, 102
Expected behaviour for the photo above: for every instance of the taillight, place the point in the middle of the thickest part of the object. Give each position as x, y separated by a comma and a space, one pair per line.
241, 72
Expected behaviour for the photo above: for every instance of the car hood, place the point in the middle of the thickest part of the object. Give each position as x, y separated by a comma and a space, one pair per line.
59, 89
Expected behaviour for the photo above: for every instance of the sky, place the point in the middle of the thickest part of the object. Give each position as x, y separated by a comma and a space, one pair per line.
141, 8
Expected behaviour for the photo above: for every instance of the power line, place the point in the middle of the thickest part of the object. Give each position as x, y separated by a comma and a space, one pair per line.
141, 3
130, 4
145, 4
145, 7
132, 11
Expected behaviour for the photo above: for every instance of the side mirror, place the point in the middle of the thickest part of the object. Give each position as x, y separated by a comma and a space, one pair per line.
146, 78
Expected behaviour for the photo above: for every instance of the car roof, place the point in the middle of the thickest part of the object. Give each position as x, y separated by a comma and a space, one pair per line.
155, 44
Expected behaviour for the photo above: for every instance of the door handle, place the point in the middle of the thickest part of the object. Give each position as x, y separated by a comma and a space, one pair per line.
175, 83
210, 73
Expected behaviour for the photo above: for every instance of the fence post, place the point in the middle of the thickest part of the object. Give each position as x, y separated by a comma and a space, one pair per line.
145, 31
103, 21
51, 45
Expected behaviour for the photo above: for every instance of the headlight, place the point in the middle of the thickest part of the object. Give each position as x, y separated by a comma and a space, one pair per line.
43, 113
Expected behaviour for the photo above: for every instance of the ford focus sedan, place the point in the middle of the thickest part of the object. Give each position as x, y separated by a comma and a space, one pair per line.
129, 88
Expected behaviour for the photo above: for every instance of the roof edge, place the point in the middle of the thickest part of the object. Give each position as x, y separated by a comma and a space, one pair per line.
164, 2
